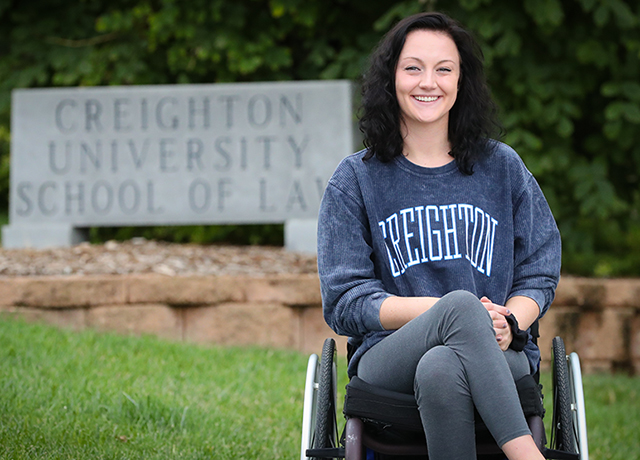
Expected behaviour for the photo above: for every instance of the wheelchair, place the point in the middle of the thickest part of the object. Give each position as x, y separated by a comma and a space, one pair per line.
386, 425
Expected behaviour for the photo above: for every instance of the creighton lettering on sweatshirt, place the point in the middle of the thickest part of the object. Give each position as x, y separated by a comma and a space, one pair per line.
433, 233
400, 229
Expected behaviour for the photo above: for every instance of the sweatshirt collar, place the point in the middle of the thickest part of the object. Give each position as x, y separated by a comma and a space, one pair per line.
421, 170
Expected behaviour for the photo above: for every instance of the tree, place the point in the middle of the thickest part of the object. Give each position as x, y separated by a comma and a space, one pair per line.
48, 43
565, 73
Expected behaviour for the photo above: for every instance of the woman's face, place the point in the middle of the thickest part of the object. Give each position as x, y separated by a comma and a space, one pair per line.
427, 77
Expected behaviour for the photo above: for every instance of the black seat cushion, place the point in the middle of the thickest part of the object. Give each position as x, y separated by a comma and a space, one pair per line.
373, 403
388, 409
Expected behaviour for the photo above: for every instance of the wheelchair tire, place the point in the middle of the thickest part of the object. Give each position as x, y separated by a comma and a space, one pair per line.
326, 426
562, 431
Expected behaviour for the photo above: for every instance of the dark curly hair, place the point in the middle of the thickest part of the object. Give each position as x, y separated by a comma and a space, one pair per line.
473, 118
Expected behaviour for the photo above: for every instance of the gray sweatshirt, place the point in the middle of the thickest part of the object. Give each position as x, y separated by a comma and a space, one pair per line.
401, 229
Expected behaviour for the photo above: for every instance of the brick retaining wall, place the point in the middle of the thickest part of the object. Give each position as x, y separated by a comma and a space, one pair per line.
599, 319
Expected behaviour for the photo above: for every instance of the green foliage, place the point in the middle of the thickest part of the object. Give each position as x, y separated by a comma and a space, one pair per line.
266, 235
568, 89
5, 137
565, 73
58, 43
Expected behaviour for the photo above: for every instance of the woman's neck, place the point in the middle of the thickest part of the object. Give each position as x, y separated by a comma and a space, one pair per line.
428, 146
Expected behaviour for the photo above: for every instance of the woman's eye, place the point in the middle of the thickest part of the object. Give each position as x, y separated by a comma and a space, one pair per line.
444, 69
412, 68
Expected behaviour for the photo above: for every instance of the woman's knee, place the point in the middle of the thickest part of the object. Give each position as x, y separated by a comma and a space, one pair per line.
461, 296
440, 377
465, 305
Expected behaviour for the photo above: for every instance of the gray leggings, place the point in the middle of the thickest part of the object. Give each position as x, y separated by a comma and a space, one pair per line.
450, 359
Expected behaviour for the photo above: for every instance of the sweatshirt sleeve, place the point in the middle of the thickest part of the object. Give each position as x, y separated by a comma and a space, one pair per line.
351, 293
537, 247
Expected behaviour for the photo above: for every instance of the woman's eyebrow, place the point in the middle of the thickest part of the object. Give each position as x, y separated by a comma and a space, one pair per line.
413, 58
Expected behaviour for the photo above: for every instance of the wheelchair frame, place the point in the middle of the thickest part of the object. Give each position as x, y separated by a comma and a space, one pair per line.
320, 437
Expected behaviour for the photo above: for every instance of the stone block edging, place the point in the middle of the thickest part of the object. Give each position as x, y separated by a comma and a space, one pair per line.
597, 318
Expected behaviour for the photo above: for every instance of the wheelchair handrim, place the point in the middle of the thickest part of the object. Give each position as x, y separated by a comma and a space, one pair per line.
578, 409
309, 409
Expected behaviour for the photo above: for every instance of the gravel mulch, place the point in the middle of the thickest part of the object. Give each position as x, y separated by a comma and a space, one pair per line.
142, 256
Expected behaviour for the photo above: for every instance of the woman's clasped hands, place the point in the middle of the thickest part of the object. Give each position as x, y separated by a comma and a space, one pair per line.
501, 327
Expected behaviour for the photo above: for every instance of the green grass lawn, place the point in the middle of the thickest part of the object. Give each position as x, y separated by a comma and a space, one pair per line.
67, 395
70, 395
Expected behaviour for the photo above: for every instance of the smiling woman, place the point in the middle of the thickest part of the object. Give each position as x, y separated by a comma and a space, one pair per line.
434, 239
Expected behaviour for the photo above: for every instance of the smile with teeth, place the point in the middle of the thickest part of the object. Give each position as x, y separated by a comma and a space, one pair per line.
426, 98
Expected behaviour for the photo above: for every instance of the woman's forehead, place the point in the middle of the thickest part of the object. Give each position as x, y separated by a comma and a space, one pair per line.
429, 45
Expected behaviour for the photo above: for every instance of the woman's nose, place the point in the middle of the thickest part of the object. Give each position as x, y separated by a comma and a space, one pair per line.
428, 80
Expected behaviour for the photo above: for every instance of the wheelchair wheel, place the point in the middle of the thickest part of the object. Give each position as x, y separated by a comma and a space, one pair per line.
562, 431
577, 407
310, 404
326, 426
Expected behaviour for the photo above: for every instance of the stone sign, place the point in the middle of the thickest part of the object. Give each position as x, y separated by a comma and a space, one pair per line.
174, 155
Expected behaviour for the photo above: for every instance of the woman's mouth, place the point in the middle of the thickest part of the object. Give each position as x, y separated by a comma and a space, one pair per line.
426, 98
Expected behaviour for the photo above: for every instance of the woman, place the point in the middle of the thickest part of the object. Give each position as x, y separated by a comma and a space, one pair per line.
435, 243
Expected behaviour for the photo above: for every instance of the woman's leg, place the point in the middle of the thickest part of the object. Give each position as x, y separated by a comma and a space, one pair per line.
460, 323
445, 404
445, 401
518, 364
